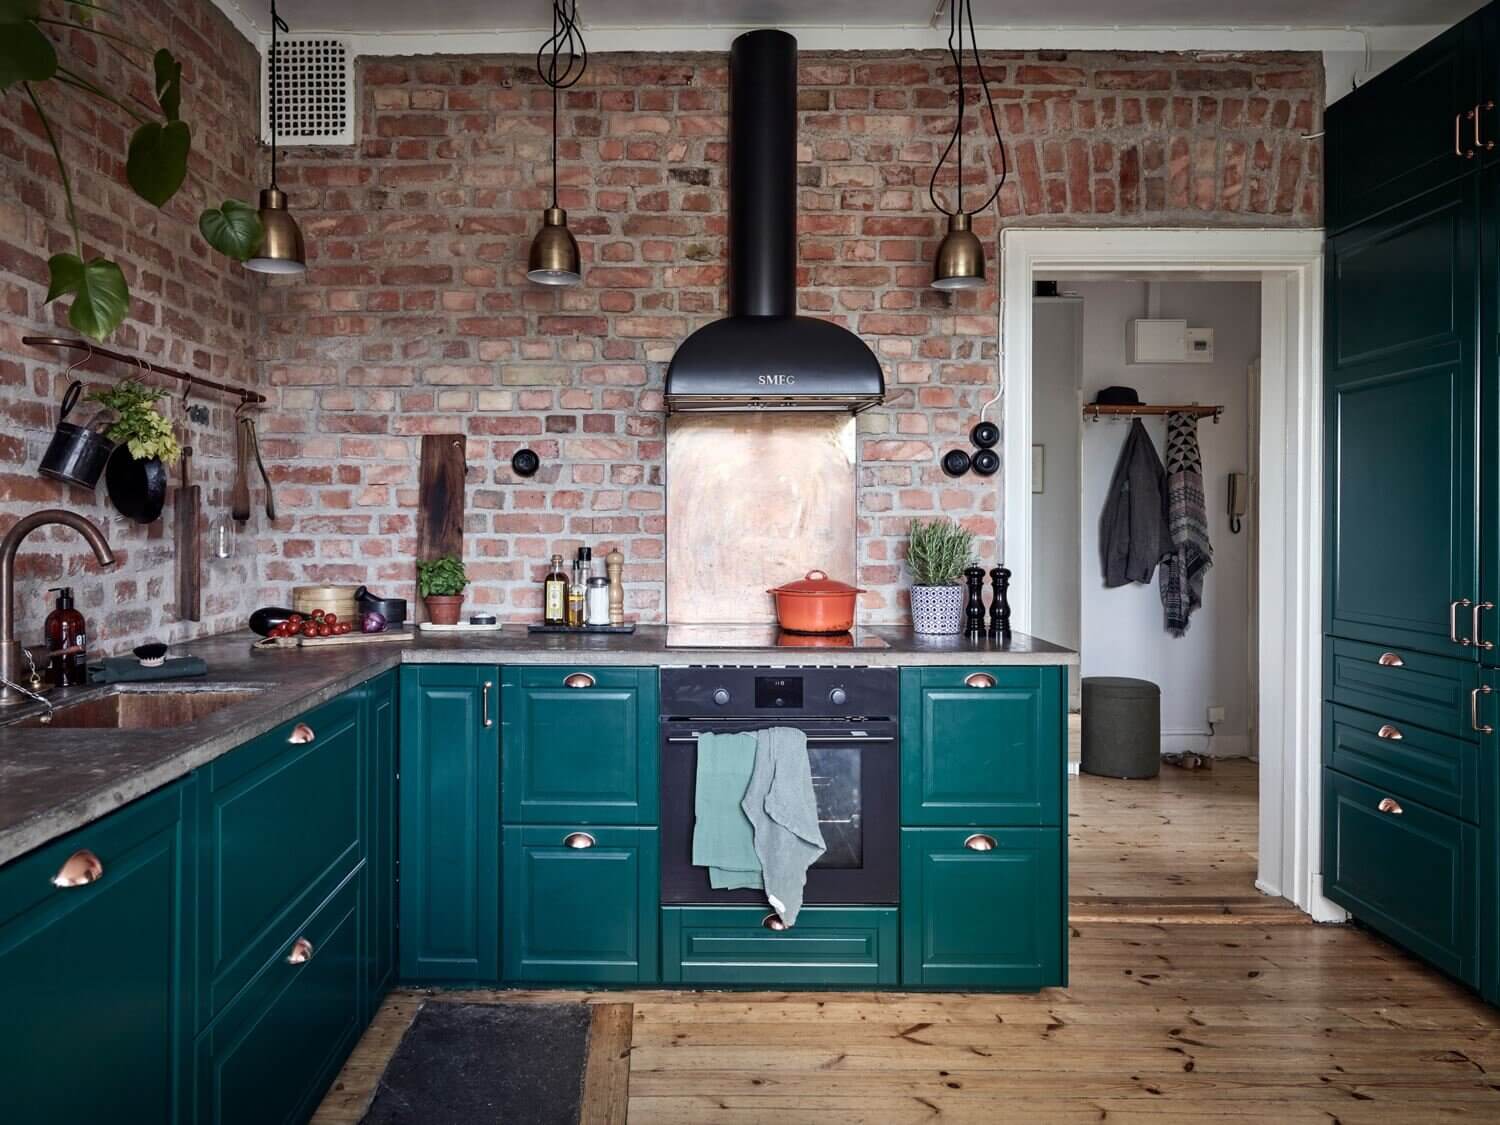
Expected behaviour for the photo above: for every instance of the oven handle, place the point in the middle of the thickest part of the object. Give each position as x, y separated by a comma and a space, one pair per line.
812, 741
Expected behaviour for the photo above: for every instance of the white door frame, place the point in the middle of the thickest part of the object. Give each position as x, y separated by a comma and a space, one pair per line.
1290, 266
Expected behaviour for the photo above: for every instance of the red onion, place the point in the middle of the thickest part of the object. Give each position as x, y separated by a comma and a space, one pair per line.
372, 622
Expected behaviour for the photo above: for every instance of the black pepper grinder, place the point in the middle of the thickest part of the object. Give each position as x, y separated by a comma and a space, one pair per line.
974, 613
1000, 602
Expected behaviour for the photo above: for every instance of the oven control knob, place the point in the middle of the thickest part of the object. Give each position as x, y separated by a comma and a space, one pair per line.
838, 697
721, 696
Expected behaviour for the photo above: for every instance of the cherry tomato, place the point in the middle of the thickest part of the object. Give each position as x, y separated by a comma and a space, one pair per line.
346, 627
294, 620
309, 630
330, 619
325, 631
317, 615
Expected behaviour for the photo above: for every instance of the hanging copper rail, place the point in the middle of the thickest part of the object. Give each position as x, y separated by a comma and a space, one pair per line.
143, 364
1096, 411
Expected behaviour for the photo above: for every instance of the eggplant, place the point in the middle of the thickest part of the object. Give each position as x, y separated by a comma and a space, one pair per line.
263, 620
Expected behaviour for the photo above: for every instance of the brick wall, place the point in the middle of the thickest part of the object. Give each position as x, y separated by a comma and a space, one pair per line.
191, 309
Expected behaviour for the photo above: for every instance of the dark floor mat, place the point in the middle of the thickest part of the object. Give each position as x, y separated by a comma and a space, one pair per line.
472, 1064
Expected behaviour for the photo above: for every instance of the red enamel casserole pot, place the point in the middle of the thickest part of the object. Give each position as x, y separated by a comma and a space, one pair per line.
815, 604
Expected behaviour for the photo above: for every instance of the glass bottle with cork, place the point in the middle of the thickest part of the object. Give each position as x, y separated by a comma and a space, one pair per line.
555, 594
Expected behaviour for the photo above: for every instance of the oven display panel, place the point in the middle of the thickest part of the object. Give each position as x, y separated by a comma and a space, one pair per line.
780, 693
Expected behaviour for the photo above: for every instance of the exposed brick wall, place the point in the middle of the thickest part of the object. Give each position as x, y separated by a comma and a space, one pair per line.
191, 309
416, 316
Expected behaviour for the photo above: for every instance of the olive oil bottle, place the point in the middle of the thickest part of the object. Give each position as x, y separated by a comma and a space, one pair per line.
555, 594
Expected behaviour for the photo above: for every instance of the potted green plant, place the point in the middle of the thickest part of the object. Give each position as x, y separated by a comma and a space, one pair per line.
136, 474
441, 583
937, 551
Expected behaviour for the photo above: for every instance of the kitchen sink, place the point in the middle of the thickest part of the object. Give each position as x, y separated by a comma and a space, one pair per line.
138, 708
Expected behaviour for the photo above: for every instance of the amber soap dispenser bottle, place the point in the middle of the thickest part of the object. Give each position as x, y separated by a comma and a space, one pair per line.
67, 642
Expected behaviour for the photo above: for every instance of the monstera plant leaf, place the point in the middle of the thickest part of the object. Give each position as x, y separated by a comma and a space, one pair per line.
168, 83
233, 230
100, 296
156, 164
26, 55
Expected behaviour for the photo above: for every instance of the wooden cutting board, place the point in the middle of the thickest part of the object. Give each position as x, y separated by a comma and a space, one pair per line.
402, 634
189, 504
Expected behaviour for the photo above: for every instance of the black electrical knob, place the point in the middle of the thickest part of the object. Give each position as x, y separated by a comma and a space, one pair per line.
525, 462
955, 462
986, 462
838, 697
986, 435
721, 696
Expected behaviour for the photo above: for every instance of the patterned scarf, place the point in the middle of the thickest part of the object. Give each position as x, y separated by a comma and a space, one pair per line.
1183, 571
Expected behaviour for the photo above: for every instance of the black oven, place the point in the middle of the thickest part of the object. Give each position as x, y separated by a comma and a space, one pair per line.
850, 718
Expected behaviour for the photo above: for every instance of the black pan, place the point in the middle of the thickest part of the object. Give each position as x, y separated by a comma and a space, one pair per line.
137, 488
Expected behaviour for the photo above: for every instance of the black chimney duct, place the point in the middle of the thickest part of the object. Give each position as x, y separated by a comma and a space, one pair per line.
763, 174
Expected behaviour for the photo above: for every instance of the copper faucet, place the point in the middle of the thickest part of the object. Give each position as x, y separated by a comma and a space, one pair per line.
10, 651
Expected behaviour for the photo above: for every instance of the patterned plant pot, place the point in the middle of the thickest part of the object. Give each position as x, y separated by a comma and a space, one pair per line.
937, 609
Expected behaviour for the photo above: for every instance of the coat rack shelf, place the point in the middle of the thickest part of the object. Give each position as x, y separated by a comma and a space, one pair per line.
1094, 411
243, 395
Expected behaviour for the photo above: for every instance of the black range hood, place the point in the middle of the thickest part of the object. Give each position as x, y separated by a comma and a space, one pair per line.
763, 356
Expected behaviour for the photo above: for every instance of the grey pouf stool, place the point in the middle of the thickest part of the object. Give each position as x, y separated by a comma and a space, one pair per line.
1121, 727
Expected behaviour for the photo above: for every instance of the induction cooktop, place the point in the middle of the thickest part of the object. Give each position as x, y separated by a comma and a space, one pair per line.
767, 637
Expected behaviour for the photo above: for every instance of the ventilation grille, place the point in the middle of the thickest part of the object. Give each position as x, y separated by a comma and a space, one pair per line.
314, 94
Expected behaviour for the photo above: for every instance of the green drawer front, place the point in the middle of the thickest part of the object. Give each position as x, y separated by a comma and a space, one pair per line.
1434, 769
273, 1052
982, 746
982, 919
580, 915
95, 981
1413, 876
282, 826
1411, 687
730, 945
579, 755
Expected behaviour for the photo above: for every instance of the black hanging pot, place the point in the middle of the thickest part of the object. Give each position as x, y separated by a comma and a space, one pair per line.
137, 488
76, 454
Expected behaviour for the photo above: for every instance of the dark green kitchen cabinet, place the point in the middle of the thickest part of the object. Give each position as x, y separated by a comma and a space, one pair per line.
1402, 549
579, 745
380, 856
744, 946
982, 745
96, 980
1408, 130
1484, 622
450, 823
982, 908
581, 905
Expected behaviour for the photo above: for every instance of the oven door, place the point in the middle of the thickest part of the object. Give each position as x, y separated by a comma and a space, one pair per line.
855, 778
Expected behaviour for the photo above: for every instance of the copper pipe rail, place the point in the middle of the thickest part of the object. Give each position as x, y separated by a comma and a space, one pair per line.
1095, 411
143, 364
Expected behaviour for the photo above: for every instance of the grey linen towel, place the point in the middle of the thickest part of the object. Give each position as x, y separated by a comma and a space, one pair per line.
783, 810
723, 840
1133, 534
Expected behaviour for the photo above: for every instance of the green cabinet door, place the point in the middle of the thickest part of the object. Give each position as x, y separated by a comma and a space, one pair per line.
1401, 416
1394, 137
581, 905
96, 980
380, 852
1484, 623
579, 745
450, 823
982, 908
982, 745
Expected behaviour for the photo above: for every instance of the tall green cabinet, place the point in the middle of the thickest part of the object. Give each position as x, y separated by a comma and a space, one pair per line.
1411, 803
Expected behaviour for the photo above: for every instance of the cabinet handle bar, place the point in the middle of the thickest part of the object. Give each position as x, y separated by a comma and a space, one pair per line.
1477, 629
1474, 723
484, 704
1453, 608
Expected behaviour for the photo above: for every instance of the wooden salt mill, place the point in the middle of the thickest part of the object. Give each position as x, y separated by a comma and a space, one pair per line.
614, 562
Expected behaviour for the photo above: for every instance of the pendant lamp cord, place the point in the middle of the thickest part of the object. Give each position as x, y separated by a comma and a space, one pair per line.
958, 12
277, 24
565, 37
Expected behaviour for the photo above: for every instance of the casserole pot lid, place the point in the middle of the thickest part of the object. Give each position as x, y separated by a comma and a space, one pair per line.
817, 582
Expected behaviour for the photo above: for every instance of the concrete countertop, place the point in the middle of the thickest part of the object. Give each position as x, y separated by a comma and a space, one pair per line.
54, 780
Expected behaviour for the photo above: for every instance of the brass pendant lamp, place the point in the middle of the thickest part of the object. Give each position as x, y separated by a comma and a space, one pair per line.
281, 248
960, 257
554, 251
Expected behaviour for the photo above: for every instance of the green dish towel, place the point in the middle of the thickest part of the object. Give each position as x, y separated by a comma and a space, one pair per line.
127, 669
783, 810
723, 840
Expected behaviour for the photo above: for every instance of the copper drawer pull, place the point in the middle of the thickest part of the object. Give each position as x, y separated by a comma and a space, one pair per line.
774, 923
979, 679
1474, 723
579, 680
1389, 805
1453, 608
1390, 660
1389, 733
79, 870
578, 840
301, 735
302, 952
484, 704
979, 842
1478, 630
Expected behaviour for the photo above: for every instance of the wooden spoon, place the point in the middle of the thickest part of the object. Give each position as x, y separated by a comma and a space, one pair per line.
239, 495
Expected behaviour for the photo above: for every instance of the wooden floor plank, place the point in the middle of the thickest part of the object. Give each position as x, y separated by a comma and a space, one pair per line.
606, 1077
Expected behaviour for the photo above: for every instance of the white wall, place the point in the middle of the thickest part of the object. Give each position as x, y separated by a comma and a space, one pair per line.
1122, 632
1056, 372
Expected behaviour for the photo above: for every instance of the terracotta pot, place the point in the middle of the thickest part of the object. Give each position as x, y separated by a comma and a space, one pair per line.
815, 604
444, 609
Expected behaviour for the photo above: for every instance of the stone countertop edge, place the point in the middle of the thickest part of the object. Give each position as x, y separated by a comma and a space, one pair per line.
37, 762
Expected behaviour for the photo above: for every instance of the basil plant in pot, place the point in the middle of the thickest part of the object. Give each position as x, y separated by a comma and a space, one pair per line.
937, 551
441, 583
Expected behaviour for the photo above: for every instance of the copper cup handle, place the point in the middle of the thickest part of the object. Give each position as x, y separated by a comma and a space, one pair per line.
1389, 805
579, 680
979, 842
774, 923
1389, 732
302, 952
79, 870
1391, 660
979, 680
1474, 723
301, 735
578, 840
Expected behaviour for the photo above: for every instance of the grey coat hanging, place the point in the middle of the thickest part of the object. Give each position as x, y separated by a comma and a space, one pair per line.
1133, 535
